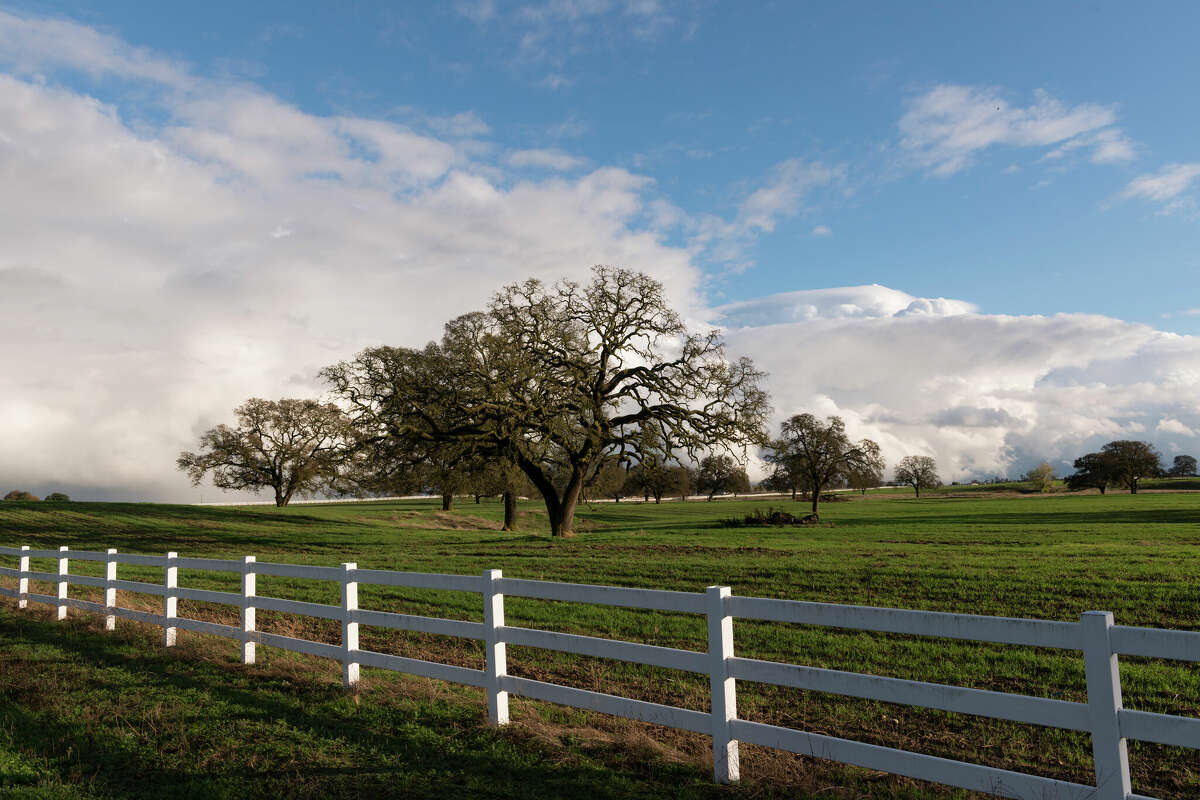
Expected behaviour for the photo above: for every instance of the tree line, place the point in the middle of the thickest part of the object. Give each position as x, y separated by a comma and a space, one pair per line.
562, 391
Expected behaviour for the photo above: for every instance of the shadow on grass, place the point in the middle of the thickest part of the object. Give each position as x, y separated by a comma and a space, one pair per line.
145, 527
235, 732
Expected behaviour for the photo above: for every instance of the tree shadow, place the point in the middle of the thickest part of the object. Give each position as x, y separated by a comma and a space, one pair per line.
379, 753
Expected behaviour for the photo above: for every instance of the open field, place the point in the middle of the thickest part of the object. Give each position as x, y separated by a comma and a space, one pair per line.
101, 715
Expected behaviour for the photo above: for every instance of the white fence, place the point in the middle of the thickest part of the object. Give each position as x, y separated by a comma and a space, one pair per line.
1103, 716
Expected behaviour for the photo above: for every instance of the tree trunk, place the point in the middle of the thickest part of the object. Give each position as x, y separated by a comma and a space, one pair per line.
1103, 489
476, 499
447, 502
816, 500
1133, 486
793, 494
510, 511
917, 489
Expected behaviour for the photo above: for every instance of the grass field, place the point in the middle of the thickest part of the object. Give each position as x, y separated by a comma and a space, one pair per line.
89, 714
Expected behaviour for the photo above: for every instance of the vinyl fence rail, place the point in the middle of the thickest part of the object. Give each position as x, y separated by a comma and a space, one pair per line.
1095, 634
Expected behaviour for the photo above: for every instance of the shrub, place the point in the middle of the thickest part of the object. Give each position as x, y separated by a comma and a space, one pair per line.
57, 497
771, 518
18, 494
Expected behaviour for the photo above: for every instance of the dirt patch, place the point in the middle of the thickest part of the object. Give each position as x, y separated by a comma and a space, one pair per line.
444, 521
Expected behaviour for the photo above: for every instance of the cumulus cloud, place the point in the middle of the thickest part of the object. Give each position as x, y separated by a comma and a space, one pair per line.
946, 128
984, 394
1168, 187
822, 230
157, 275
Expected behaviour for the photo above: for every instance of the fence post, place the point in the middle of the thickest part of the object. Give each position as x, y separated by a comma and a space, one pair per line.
723, 687
110, 590
61, 612
249, 587
23, 579
350, 668
1109, 751
496, 663
170, 599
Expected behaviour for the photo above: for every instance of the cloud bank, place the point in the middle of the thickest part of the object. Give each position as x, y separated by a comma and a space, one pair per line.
985, 394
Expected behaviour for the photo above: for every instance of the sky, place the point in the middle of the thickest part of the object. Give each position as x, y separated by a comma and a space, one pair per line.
971, 230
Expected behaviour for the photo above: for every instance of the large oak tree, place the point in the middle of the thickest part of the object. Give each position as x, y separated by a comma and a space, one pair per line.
290, 446
556, 379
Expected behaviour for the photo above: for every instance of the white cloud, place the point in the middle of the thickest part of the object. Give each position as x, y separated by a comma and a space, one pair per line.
32, 44
850, 302
1171, 425
985, 394
945, 129
156, 277
787, 185
544, 159
1167, 187
822, 230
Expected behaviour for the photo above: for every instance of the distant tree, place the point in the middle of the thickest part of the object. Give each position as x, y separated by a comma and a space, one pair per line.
739, 482
19, 494
683, 481
57, 497
814, 455
1183, 467
1131, 461
1092, 471
1040, 477
611, 480
718, 473
651, 473
866, 472
290, 446
503, 479
919, 472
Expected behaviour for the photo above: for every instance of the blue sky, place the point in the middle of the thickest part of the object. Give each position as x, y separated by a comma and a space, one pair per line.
971, 230
708, 98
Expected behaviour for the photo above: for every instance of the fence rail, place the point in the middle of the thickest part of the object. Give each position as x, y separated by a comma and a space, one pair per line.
1095, 635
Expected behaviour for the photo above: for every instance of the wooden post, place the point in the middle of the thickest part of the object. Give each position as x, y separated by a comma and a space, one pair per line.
249, 586
170, 599
23, 579
496, 662
61, 611
110, 590
1109, 751
722, 686
350, 667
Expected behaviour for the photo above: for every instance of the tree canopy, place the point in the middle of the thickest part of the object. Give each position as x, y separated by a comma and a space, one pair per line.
556, 379
812, 455
1092, 471
290, 446
1040, 477
1183, 467
919, 472
1130, 461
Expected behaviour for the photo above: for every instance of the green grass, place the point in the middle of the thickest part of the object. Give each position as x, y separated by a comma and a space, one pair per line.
88, 714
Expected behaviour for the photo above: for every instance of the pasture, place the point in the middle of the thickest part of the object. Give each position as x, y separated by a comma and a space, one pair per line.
89, 714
